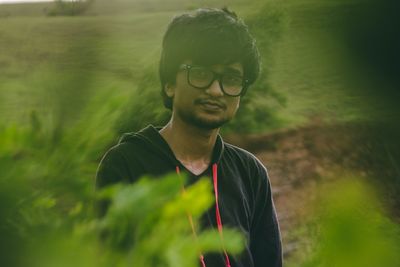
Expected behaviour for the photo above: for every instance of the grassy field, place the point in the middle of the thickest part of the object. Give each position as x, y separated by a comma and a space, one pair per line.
116, 43
69, 85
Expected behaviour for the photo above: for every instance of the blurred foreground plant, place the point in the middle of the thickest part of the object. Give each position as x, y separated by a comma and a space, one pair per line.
350, 230
147, 223
46, 195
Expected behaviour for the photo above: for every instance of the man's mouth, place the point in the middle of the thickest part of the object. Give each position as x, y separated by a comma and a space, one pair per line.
211, 104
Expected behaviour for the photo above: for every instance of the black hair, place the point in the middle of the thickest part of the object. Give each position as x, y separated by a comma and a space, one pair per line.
207, 36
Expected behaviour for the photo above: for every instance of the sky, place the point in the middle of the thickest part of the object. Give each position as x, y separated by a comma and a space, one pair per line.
23, 1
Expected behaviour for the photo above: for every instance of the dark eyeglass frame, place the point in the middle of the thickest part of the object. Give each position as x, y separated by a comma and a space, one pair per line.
217, 76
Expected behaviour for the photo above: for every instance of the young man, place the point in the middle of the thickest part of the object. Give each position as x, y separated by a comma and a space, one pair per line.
208, 61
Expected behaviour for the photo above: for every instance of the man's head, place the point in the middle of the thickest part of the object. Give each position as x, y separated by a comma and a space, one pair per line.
207, 37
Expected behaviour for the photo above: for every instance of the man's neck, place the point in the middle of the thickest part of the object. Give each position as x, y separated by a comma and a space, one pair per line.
191, 145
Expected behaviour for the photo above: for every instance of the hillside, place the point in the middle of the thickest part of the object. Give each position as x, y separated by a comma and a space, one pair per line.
310, 70
325, 109
303, 161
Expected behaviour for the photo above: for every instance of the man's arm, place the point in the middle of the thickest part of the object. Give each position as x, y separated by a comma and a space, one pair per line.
265, 241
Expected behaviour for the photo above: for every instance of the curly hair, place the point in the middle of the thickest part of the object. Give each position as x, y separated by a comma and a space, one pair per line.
207, 36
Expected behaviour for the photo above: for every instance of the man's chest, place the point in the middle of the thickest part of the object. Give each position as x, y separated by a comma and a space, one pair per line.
236, 199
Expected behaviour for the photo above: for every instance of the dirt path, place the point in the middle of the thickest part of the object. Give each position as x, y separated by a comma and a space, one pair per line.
300, 161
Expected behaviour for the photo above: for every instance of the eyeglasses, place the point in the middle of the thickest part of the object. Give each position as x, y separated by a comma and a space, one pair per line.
201, 78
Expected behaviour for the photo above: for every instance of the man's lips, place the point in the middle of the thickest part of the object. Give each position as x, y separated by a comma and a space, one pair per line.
210, 103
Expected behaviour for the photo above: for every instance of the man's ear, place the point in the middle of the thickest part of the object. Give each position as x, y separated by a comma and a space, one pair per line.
169, 89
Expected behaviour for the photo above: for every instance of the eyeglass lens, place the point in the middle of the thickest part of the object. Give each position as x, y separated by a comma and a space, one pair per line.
202, 78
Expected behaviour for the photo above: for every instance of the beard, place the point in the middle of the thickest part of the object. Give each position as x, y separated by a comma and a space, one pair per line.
201, 122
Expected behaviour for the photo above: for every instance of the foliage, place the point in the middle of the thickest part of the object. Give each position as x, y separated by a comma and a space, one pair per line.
157, 232
69, 85
259, 107
145, 105
47, 201
45, 180
349, 229
69, 8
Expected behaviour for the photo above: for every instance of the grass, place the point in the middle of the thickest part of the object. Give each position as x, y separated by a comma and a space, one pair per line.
120, 40
86, 71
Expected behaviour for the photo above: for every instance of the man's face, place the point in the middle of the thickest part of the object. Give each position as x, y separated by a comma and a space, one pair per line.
207, 108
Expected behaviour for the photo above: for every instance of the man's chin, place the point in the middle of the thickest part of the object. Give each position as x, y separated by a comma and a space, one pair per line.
207, 124
203, 120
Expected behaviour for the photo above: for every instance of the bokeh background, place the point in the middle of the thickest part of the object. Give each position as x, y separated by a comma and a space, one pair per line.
323, 117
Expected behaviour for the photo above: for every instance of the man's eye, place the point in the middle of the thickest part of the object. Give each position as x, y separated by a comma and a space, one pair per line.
232, 79
199, 73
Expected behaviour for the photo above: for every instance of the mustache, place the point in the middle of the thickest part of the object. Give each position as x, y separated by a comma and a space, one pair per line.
211, 101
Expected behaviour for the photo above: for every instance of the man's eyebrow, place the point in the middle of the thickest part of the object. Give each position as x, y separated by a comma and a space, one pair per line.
231, 70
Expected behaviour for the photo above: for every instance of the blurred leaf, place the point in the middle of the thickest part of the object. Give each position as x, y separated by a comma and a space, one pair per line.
352, 230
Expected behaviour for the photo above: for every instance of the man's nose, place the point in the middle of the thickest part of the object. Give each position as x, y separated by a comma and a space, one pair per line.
215, 89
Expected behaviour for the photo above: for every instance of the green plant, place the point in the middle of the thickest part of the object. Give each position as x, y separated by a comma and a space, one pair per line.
69, 8
148, 221
349, 229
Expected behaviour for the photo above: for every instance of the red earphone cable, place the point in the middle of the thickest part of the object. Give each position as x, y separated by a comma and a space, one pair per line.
217, 215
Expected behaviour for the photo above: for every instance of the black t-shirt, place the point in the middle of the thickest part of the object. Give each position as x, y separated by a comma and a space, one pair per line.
245, 199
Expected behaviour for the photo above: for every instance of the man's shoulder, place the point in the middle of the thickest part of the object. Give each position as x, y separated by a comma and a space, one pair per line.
123, 146
128, 144
136, 139
246, 163
242, 155
240, 151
